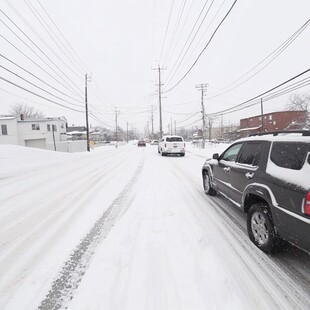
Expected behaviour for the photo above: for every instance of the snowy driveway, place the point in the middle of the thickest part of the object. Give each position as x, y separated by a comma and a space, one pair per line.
128, 229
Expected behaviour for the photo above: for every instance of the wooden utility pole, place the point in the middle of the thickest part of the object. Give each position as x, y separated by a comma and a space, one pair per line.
152, 120
159, 101
202, 88
86, 110
262, 113
116, 116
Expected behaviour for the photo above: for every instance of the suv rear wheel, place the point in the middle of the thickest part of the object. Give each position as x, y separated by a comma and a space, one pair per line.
261, 229
207, 185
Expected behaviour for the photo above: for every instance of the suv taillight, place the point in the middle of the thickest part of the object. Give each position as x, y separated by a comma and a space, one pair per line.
307, 204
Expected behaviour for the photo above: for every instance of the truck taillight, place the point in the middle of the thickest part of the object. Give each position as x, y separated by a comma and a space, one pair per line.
307, 204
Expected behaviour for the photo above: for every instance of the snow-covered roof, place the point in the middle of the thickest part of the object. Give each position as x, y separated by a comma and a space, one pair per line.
7, 117
249, 128
76, 133
45, 119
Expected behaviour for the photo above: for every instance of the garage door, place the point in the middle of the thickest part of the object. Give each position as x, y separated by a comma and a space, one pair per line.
37, 143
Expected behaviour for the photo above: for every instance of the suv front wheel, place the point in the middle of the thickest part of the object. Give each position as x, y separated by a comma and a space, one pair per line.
261, 229
207, 185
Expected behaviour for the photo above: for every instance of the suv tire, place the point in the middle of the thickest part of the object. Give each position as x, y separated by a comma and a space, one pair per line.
261, 229
207, 185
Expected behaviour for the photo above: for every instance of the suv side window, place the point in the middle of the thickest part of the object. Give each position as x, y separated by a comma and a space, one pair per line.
290, 155
232, 152
250, 153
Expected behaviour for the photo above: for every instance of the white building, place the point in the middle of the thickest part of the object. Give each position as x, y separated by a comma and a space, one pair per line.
43, 133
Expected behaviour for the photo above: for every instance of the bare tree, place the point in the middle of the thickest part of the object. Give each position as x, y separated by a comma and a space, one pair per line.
26, 110
299, 102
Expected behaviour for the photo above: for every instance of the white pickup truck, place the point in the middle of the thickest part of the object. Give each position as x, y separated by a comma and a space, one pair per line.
171, 145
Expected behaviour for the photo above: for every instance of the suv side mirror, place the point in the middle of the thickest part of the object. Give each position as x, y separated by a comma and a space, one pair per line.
216, 156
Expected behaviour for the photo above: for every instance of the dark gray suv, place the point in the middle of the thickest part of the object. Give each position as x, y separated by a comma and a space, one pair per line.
268, 176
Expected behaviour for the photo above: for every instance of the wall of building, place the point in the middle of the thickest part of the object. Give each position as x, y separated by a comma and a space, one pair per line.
11, 137
271, 122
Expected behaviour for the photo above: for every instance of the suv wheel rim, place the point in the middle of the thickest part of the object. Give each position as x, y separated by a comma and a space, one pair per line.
259, 228
207, 183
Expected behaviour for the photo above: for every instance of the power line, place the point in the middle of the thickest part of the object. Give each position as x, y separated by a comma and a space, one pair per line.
49, 100
175, 29
63, 36
249, 101
195, 62
275, 53
73, 83
32, 9
167, 27
188, 37
35, 76
50, 75
80, 69
42, 89
190, 44
33, 93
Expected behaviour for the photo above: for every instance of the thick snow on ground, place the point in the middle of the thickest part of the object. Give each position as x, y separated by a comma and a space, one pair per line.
124, 228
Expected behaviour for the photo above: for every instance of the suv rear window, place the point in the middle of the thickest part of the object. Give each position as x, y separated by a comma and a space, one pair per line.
289, 155
174, 139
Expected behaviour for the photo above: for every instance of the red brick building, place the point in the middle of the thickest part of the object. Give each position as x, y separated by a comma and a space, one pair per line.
275, 121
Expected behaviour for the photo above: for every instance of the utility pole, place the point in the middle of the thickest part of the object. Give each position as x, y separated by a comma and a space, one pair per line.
159, 100
116, 116
222, 128
202, 88
86, 110
262, 113
53, 129
152, 120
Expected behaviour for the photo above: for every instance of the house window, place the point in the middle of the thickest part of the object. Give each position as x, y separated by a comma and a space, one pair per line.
274, 123
260, 118
62, 126
4, 130
48, 127
35, 126
270, 117
54, 127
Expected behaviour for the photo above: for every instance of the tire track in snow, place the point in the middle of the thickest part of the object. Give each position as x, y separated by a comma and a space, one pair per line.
75, 267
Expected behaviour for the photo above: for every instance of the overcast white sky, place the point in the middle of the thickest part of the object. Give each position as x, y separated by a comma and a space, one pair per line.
121, 41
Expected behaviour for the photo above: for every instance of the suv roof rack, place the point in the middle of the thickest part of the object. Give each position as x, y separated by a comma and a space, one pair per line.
275, 133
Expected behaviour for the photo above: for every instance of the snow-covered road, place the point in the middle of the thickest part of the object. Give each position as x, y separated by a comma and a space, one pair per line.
128, 229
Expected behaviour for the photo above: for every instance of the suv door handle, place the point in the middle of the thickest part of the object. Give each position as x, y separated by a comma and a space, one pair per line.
249, 175
226, 169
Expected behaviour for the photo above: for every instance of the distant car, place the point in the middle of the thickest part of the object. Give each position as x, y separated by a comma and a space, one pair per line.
267, 176
141, 143
154, 142
171, 145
